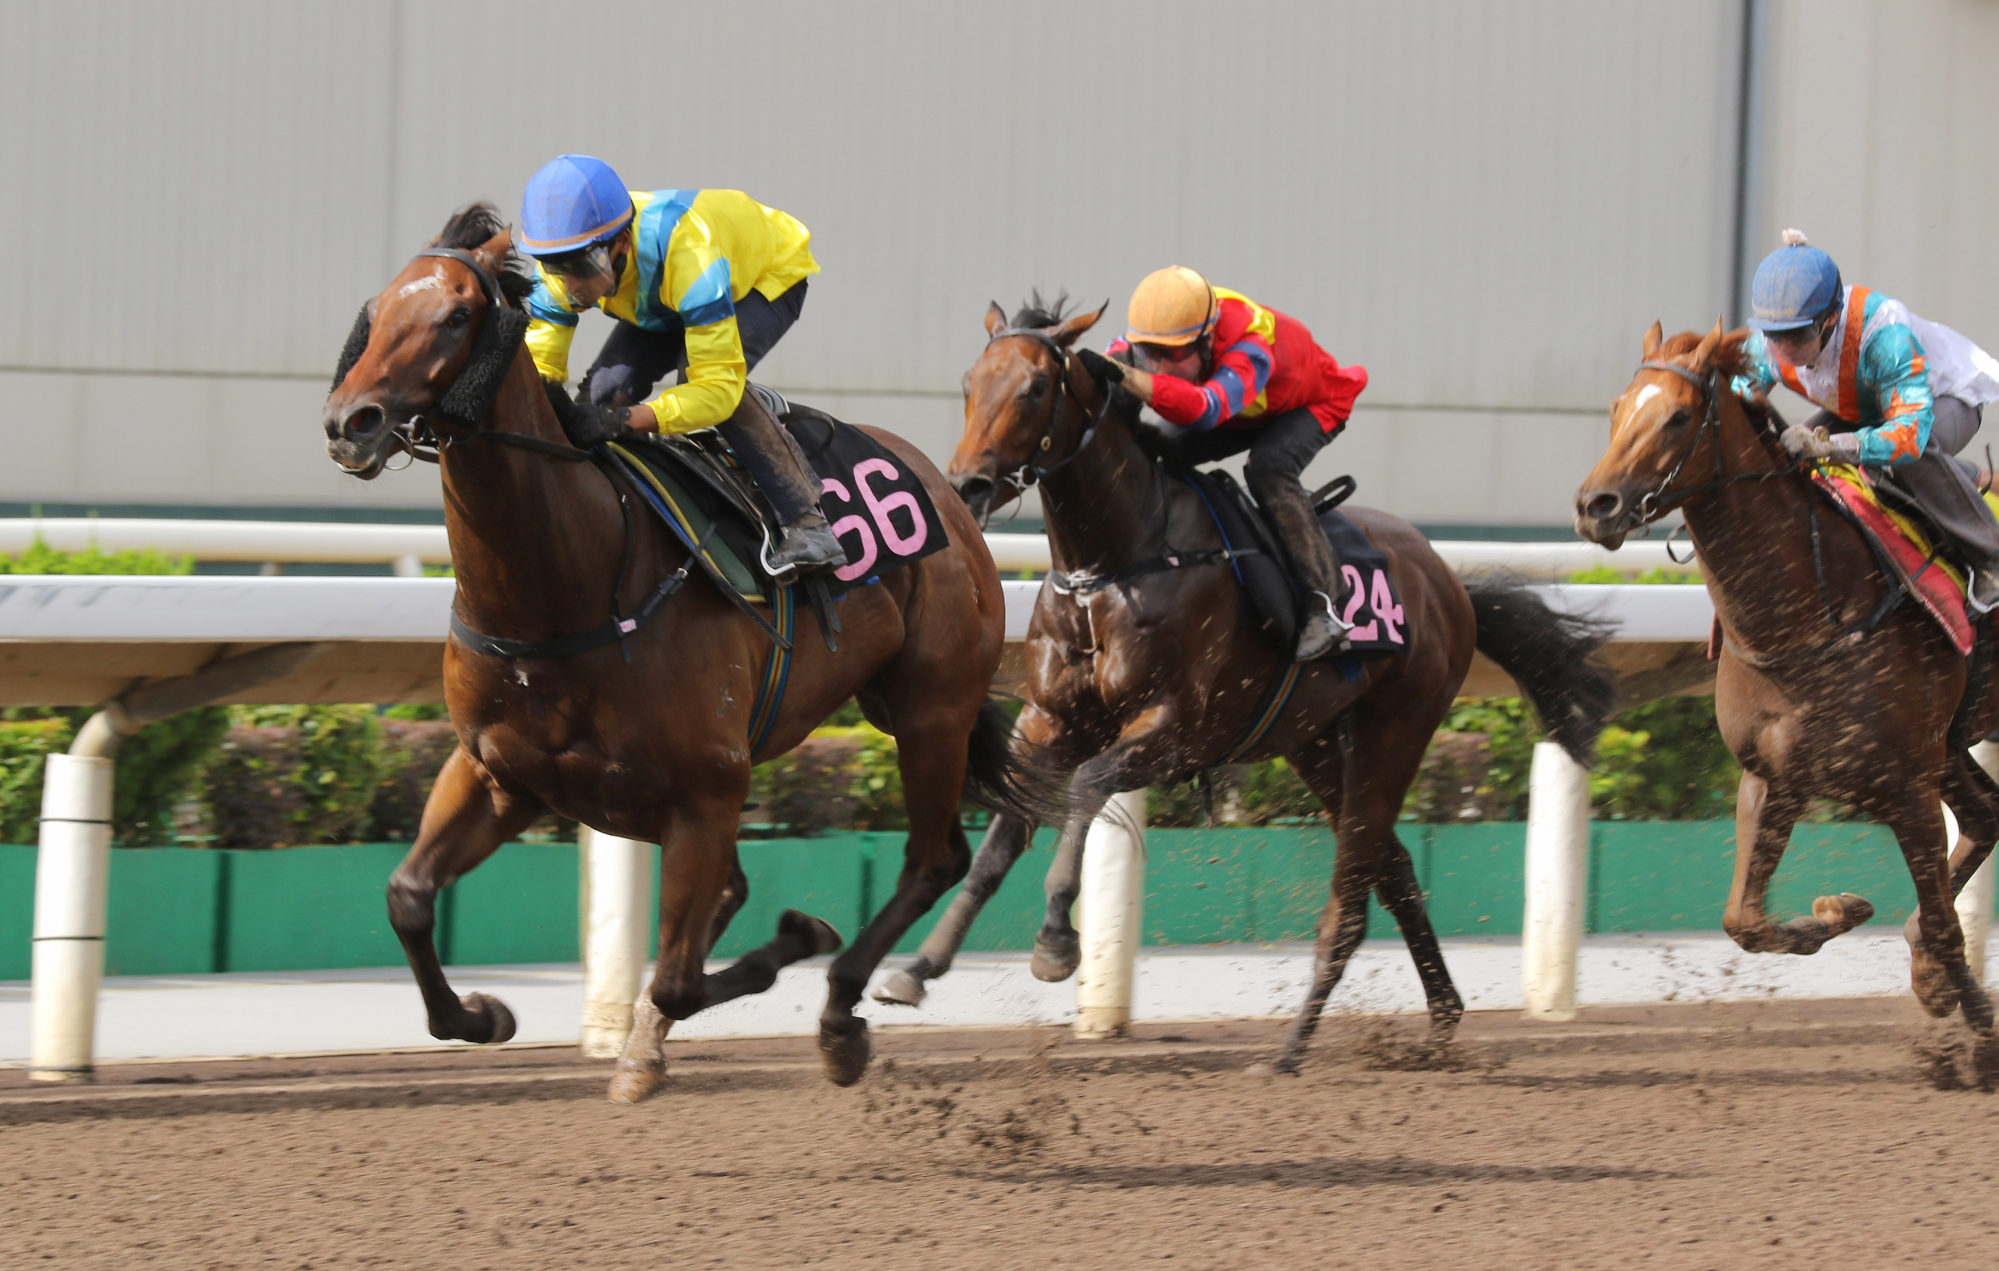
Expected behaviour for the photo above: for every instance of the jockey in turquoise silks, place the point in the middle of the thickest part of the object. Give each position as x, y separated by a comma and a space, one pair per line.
702, 283
1895, 392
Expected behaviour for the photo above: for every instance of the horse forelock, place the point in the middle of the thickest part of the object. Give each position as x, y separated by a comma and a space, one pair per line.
1729, 357
474, 226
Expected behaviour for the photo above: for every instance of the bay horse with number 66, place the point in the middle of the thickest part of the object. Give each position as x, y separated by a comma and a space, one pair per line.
1825, 688
1162, 672
640, 727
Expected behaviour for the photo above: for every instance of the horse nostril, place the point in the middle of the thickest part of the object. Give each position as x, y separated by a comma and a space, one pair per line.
364, 423
1601, 507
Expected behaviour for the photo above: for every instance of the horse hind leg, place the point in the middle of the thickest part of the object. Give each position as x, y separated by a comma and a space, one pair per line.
1363, 786
464, 821
1973, 797
932, 752
1006, 838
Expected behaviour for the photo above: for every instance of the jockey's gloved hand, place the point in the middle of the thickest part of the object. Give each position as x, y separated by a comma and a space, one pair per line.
1805, 443
1102, 369
585, 423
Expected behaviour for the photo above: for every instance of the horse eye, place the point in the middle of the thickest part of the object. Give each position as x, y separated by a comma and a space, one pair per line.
459, 317
1680, 419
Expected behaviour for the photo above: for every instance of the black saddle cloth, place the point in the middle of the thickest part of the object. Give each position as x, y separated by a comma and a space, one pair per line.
1367, 600
878, 508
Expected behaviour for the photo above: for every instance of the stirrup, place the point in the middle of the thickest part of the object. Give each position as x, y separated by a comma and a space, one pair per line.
1333, 616
1977, 607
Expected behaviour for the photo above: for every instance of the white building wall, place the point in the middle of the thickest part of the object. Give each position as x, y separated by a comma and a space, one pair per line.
1484, 202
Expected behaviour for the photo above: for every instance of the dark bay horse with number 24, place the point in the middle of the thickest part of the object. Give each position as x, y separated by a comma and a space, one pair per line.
653, 747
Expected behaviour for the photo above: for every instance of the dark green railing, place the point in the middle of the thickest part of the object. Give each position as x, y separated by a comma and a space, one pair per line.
185, 911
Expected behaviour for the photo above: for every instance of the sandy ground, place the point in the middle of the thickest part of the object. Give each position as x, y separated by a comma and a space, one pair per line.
1780, 1134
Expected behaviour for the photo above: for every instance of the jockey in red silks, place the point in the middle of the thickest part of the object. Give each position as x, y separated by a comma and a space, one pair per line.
1897, 394
1228, 375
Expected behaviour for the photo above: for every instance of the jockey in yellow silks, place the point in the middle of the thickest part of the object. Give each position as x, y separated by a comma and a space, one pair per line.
702, 284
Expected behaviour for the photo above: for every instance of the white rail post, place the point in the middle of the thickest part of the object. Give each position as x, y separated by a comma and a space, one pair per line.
615, 874
72, 868
1557, 882
1111, 905
1974, 903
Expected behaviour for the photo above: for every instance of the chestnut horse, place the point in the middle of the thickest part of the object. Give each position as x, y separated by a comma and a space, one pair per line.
650, 740
1165, 674
1824, 690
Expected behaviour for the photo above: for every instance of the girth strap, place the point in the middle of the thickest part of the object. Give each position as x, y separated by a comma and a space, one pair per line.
1083, 583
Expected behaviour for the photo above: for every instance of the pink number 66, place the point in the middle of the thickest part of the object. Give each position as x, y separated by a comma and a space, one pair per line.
898, 543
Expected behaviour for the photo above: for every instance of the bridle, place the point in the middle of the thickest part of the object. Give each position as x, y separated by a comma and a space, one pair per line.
1650, 505
1034, 469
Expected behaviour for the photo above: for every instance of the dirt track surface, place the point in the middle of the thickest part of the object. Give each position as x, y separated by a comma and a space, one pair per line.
1778, 1135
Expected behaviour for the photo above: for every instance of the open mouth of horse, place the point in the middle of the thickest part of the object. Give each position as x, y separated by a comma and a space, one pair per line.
983, 493
364, 441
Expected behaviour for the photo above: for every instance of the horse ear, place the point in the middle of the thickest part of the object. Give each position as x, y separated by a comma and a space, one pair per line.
995, 319
1653, 339
1704, 351
494, 250
1065, 333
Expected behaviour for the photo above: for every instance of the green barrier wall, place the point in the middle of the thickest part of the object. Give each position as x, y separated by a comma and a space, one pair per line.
183, 911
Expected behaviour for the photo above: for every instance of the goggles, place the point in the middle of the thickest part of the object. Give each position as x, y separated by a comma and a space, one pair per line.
580, 266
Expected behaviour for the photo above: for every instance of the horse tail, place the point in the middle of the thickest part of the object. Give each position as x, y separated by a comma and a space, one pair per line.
1002, 778
1550, 655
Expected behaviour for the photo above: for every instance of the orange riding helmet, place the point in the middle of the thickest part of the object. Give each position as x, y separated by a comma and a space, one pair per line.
1172, 306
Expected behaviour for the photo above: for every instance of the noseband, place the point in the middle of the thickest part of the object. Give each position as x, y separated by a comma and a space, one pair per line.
1034, 469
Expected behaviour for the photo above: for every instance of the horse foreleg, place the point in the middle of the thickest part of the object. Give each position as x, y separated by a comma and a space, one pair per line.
1131, 763
935, 856
696, 868
1006, 838
464, 820
1764, 816
1974, 797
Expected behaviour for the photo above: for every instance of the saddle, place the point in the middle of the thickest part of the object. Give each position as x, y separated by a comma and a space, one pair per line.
1908, 549
879, 509
1368, 601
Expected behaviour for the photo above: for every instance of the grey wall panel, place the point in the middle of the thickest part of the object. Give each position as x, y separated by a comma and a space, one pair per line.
1484, 202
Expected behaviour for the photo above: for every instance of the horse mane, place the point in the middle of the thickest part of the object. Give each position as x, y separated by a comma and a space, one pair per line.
1730, 359
1038, 313
473, 226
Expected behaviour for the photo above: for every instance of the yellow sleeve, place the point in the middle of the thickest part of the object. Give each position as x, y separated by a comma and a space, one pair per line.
549, 343
716, 377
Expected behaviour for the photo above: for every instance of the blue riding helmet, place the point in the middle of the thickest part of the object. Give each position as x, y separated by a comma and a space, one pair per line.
1793, 286
572, 202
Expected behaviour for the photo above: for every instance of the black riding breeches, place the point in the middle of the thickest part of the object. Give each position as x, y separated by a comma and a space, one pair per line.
1942, 485
634, 359
1279, 451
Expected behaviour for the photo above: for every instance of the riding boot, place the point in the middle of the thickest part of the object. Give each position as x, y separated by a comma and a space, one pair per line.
1290, 510
767, 451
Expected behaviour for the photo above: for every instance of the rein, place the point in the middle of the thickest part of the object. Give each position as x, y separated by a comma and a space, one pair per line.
1650, 507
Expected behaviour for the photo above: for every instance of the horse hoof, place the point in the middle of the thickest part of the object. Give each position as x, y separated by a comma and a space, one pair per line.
845, 1048
1985, 1062
1282, 1066
1931, 983
1055, 961
901, 989
492, 1022
635, 1082
817, 932
1843, 912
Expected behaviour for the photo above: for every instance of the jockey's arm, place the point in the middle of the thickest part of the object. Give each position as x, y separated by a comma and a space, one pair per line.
1240, 374
1762, 375
1892, 364
551, 330
717, 374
